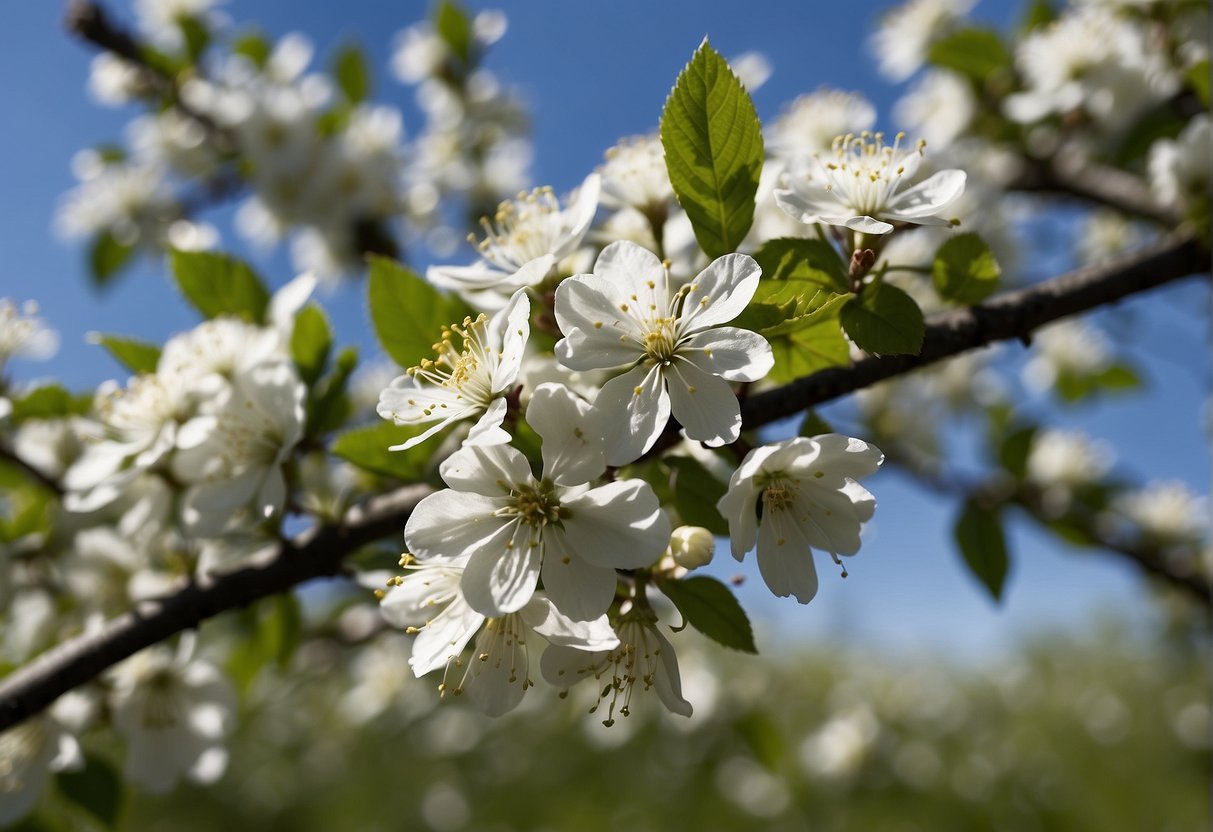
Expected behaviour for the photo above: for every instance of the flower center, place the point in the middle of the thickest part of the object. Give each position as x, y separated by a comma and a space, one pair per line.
467, 365
535, 505
661, 340
865, 171
636, 659
779, 493
522, 229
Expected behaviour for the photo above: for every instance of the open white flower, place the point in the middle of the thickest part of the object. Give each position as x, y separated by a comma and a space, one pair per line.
471, 380
906, 33
428, 601
31, 751
678, 356
1166, 512
643, 655
233, 456
523, 242
859, 186
798, 495
174, 714
23, 334
635, 175
514, 527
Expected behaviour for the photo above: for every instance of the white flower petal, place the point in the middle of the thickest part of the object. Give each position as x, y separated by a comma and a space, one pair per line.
731, 353
598, 334
619, 525
927, 198
634, 409
572, 440
703, 404
444, 637
846, 456
865, 225
502, 574
720, 292
667, 680
542, 616
487, 430
581, 590
449, 525
785, 560
508, 332
490, 470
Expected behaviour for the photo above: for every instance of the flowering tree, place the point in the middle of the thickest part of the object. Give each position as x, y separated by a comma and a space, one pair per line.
579, 411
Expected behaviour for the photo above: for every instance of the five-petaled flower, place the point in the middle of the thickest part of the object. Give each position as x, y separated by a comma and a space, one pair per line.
860, 186
678, 358
797, 495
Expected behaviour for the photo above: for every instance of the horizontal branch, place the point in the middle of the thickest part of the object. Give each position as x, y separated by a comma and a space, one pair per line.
320, 553
1069, 174
315, 554
1011, 316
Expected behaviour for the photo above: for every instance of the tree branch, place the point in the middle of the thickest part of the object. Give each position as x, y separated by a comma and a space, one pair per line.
1068, 173
1014, 315
319, 553
8, 455
312, 555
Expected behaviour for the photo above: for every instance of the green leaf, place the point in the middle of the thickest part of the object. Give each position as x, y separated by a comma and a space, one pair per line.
367, 447
797, 259
97, 789
107, 257
196, 35
974, 53
407, 312
329, 406
965, 270
28, 508
1198, 79
282, 628
311, 340
884, 320
253, 46
454, 26
1014, 449
814, 425
216, 284
1039, 13
351, 73
50, 401
1118, 377
133, 354
713, 151
696, 492
983, 546
805, 351
710, 608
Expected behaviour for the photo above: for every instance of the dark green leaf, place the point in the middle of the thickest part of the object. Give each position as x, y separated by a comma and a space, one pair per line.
216, 284
814, 425
329, 406
965, 270
710, 608
1014, 449
408, 314
454, 26
797, 259
50, 401
283, 628
133, 354
28, 508
367, 447
696, 492
351, 73
808, 350
107, 257
884, 321
97, 788
311, 340
983, 546
253, 46
1198, 78
713, 151
974, 53
197, 36
1039, 13
1118, 377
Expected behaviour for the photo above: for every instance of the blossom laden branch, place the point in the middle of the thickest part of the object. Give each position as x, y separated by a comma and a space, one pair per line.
312, 555
1013, 315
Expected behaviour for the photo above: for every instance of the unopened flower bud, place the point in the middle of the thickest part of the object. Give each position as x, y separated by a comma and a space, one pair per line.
692, 546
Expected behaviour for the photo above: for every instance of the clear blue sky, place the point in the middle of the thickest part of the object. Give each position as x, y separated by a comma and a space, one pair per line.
593, 73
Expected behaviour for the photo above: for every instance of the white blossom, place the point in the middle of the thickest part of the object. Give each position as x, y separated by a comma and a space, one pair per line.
635, 175
795, 496
1181, 171
23, 334
677, 356
644, 656
174, 714
29, 752
811, 122
468, 381
939, 107
526, 238
515, 527
1068, 347
906, 33
861, 185
1165, 511
1067, 458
